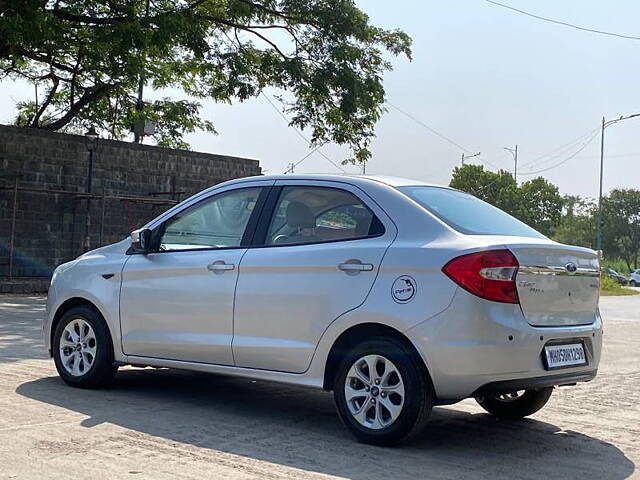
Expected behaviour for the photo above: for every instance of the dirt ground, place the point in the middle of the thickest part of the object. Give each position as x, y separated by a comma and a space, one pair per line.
159, 424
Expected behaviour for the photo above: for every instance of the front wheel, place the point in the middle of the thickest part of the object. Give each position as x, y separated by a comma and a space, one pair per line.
83, 350
516, 405
633, 283
381, 393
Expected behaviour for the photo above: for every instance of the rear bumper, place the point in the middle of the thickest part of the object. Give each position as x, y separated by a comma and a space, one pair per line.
534, 383
476, 345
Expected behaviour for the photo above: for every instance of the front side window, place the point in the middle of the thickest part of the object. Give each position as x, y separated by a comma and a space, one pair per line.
320, 214
217, 222
468, 214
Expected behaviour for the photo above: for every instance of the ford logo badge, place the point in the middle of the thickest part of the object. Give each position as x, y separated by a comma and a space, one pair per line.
571, 268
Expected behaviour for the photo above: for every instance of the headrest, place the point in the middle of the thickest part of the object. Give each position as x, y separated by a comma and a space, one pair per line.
300, 216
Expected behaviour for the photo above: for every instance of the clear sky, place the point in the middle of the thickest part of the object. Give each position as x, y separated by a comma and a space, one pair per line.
484, 77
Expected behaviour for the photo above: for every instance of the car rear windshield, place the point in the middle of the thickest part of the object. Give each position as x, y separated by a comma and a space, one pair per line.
468, 214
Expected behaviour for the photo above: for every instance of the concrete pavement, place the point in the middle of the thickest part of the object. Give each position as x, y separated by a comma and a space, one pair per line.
158, 424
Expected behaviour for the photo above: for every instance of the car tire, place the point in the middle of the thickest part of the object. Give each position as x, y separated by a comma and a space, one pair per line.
404, 391
516, 405
633, 283
83, 349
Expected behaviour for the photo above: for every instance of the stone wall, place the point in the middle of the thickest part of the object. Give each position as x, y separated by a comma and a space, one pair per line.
56, 226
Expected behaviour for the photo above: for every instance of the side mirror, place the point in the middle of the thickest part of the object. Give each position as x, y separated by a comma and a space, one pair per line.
141, 240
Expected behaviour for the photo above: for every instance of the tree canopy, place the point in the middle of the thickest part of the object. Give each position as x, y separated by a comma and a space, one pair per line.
540, 205
569, 219
498, 189
87, 58
621, 218
577, 224
536, 202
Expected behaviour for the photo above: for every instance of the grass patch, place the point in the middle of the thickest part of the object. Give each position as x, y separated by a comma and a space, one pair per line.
609, 288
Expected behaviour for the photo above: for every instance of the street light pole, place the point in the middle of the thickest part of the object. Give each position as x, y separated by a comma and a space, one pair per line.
138, 135
90, 172
599, 225
468, 156
92, 142
514, 152
605, 125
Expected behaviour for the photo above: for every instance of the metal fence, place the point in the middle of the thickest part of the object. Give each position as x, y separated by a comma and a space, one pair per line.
43, 227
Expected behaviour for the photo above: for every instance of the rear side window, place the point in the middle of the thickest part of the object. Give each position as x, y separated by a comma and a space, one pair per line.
468, 214
309, 214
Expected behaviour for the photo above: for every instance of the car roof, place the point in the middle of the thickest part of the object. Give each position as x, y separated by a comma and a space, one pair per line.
350, 178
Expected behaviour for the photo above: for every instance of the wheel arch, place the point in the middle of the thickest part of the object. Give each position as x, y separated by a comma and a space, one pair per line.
67, 305
358, 333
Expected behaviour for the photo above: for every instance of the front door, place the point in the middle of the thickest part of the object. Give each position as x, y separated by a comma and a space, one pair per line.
318, 259
177, 303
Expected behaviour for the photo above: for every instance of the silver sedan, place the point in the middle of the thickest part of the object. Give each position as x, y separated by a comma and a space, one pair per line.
394, 294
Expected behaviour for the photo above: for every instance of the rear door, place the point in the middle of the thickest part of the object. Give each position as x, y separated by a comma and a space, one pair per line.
320, 245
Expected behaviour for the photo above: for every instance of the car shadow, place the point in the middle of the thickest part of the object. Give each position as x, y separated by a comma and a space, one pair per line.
298, 427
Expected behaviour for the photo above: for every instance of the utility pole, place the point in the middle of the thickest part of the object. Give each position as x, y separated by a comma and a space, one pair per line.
599, 225
290, 168
605, 125
514, 152
468, 156
137, 136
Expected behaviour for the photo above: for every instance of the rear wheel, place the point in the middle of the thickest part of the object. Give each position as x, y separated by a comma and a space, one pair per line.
83, 350
516, 405
381, 393
633, 283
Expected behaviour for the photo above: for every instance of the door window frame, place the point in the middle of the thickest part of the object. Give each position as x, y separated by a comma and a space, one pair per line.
158, 231
270, 207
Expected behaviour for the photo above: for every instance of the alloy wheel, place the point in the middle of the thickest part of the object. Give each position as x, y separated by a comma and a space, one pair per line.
374, 391
78, 347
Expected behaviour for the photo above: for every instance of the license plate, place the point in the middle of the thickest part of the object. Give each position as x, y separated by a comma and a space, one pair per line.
564, 356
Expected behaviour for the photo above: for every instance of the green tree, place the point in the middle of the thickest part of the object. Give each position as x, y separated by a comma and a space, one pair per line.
540, 205
621, 226
577, 224
498, 189
536, 202
87, 57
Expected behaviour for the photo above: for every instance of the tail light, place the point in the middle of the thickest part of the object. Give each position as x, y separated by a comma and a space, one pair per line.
490, 275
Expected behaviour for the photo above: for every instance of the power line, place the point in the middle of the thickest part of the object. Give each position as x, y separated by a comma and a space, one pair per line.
556, 152
317, 149
486, 187
487, 162
595, 135
294, 165
432, 130
620, 155
438, 134
565, 24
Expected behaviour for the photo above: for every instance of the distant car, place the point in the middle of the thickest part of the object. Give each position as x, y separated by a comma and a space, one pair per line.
618, 277
396, 295
634, 278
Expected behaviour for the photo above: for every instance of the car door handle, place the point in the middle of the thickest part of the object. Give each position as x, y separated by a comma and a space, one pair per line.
355, 267
220, 266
